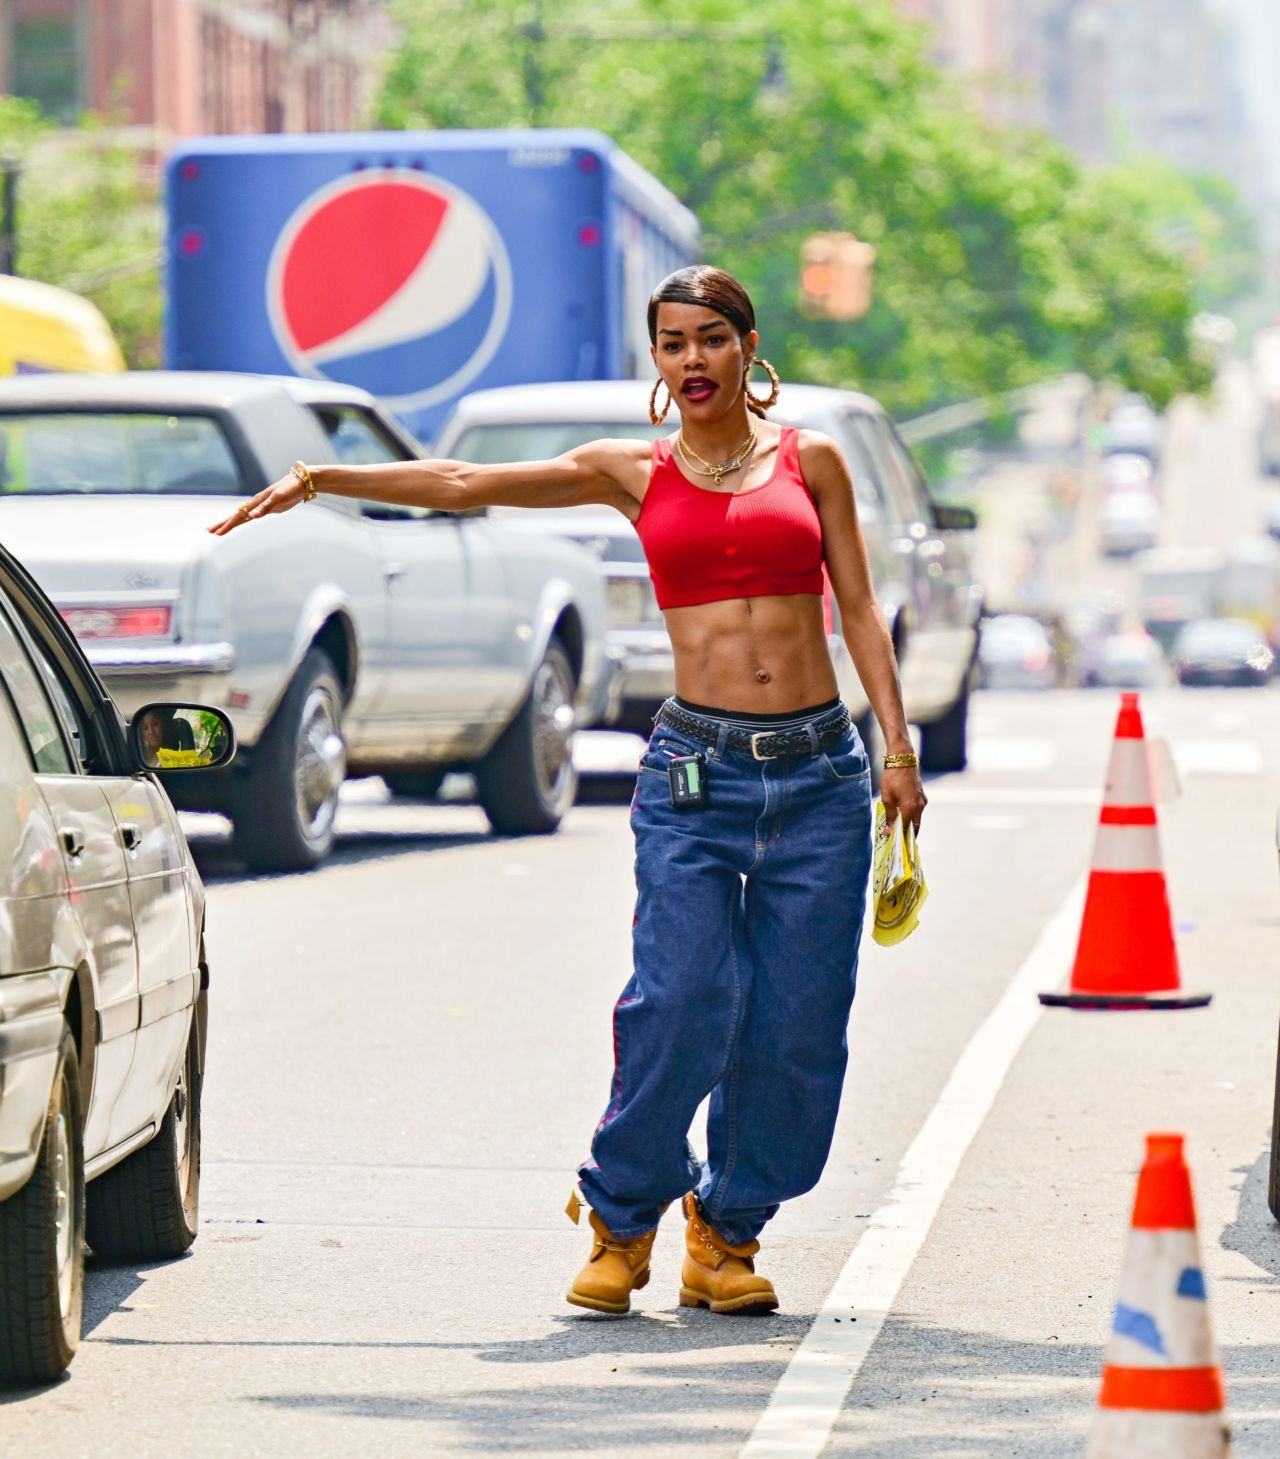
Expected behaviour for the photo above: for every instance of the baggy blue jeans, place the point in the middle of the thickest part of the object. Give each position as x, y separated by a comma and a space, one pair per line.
747, 926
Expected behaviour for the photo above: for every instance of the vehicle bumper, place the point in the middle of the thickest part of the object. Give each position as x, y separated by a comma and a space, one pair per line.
30, 1030
186, 673
645, 669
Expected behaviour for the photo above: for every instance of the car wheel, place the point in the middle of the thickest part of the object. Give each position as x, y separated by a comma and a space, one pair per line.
147, 1208
527, 782
944, 744
287, 804
415, 784
42, 1242
1273, 1177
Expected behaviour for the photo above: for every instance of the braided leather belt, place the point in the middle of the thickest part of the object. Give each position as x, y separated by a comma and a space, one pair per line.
762, 744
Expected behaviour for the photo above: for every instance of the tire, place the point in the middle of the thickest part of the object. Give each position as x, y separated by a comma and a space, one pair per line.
147, 1208
286, 804
41, 1256
1273, 1176
414, 784
944, 744
527, 782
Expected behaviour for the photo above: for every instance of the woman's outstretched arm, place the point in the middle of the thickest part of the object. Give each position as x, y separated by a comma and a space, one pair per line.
586, 476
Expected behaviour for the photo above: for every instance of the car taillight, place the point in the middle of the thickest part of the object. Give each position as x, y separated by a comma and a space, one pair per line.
1037, 660
149, 622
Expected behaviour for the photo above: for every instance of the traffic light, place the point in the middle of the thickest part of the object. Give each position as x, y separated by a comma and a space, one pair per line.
835, 276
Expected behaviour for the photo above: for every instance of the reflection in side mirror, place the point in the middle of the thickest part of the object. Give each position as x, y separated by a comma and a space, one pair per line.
954, 519
180, 737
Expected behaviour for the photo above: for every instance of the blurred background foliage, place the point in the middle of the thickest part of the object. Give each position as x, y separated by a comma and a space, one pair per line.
89, 219
1000, 258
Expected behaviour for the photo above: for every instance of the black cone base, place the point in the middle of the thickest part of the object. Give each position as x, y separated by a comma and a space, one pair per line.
1121, 1002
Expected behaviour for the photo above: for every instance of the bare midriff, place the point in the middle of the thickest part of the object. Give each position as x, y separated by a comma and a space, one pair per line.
758, 655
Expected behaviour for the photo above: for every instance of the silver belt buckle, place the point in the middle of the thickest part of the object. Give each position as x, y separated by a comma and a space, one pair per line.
755, 748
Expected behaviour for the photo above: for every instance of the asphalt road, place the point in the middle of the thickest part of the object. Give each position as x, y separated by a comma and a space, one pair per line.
410, 1048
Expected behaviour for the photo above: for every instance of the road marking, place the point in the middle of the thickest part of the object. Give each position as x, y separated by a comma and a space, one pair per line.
1217, 757
804, 1406
943, 792
1012, 754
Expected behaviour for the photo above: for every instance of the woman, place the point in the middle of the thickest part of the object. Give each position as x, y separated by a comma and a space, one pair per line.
752, 812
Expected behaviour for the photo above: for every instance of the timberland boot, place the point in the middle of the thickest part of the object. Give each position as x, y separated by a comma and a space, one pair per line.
616, 1267
718, 1275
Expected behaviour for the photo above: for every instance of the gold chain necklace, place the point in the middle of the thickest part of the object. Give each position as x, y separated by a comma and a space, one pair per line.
710, 468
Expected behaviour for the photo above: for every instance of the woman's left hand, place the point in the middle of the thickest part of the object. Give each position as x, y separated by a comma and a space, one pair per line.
902, 792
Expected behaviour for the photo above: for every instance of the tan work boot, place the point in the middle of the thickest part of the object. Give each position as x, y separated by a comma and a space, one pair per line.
718, 1275
615, 1268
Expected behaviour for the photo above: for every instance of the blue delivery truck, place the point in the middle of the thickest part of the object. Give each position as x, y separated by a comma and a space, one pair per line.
418, 265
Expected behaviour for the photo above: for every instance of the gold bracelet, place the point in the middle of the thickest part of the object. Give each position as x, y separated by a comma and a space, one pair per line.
901, 762
309, 492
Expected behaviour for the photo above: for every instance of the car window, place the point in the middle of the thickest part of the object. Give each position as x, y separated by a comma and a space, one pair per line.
909, 471
358, 438
902, 499
49, 751
865, 484
60, 453
486, 445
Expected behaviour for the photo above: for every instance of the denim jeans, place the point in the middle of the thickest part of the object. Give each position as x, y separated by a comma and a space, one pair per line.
746, 932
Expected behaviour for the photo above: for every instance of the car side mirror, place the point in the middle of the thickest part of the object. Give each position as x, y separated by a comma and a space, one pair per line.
180, 737
954, 519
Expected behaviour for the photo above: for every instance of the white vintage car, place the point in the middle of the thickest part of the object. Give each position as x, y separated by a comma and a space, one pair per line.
341, 638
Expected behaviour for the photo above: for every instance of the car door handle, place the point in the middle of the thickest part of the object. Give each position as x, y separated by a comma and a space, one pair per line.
392, 570
72, 839
130, 836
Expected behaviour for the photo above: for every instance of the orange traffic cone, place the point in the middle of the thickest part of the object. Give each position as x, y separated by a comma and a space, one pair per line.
1162, 1395
1125, 957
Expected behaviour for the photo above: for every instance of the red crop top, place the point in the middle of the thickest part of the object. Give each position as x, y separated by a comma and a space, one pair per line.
704, 545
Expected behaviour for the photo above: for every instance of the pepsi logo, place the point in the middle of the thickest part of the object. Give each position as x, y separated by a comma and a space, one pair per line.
394, 281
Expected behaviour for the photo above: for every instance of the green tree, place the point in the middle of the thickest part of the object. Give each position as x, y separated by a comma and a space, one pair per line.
999, 258
89, 220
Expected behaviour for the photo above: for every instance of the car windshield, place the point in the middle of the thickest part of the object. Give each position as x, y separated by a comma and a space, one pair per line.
1218, 636
46, 453
543, 439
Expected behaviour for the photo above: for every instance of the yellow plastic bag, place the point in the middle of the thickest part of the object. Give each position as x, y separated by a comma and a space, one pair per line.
898, 889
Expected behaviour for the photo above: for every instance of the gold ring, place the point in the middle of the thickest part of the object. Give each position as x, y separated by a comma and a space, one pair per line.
243, 511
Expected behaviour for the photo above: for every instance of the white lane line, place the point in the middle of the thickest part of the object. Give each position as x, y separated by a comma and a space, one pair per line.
803, 1407
1217, 757
1012, 754
943, 792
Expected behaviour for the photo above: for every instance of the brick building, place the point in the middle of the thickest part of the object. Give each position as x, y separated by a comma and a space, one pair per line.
185, 67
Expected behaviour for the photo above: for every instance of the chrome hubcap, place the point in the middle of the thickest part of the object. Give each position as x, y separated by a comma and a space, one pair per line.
182, 1120
321, 765
64, 1211
553, 721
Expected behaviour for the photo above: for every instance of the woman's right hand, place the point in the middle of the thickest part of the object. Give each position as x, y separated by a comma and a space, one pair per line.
281, 496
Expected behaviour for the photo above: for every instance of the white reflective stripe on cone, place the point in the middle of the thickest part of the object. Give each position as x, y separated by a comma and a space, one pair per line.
1121, 1433
1162, 1315
1127, 848
1129, 779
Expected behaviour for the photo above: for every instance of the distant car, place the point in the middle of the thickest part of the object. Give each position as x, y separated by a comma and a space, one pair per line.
1128, 522
1133, 426
1131, 660
1222, 651
1125, 471
1016, 652
1271, 510
345, 636
103, 978
919, 548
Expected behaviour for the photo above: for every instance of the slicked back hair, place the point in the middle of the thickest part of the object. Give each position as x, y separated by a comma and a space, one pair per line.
712, 288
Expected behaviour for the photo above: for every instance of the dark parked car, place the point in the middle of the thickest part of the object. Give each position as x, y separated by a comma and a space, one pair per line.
1222, 651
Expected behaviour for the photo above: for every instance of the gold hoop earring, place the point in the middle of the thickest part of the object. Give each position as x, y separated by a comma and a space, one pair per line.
753, 401
653, 402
